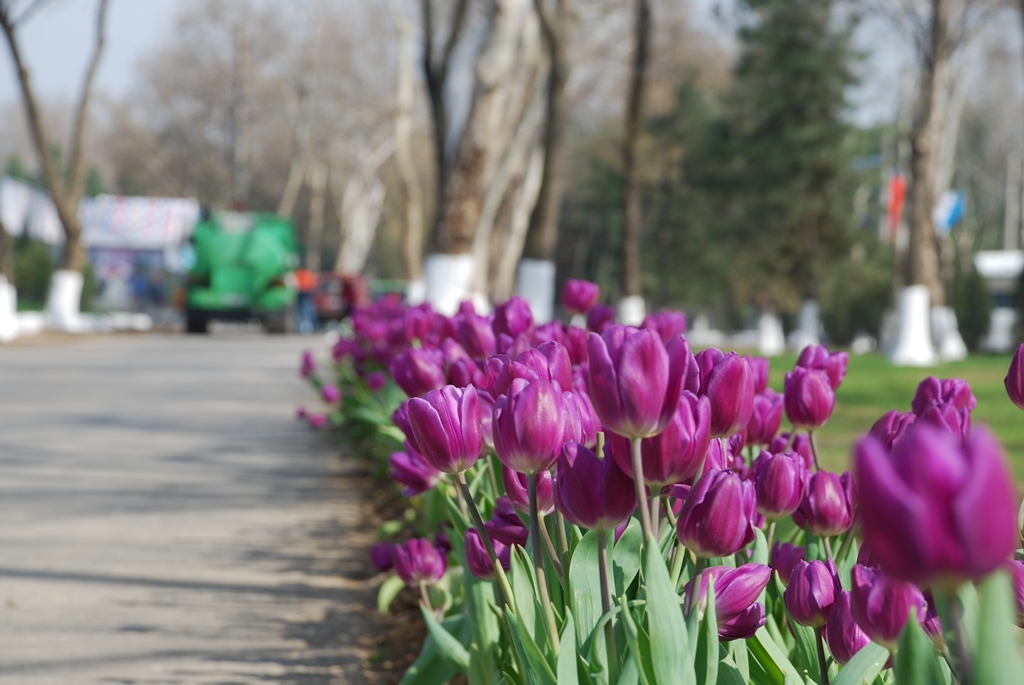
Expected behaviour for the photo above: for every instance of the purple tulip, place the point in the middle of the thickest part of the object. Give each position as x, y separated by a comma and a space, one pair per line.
301, 413
589, 424
947, 417
382, 556
931, 391
330, 393
705, 361
441, 541
1014, 380
780, 481
418, 322
476, 334
784, 558
829, 506
446, 425
549, 361
937, 510
737, 610
760, 367
892, 427
801, 445
477, 559
579, 296
400, 417
731, 458
1016, 571
307, 365
516, 489
418, 371
576, 343
634, 380
818, 357
513, 317
376, 381
729, 385
882, 605
813, 588
765, 418
843, 635
530, 426
809, 398
316, 420
667, 324
505, 525
599, 319
717, 518
413, 471
675, 454
417, 561
590, 492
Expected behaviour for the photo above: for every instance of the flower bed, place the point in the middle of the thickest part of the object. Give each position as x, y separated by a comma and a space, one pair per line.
602, 505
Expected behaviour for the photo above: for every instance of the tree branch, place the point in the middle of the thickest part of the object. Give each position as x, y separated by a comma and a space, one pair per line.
76, 160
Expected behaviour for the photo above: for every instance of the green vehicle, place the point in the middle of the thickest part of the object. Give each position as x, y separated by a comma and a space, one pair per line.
242, 271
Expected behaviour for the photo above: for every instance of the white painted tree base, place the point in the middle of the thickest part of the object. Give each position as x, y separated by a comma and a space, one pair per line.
913, 343
631, 310
535, 283
416, 292
63, 302
449, 281
771, 341
8, 311
946, 335
809, 332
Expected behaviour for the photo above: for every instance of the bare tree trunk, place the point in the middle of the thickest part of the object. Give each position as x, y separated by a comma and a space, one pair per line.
556, 28
925, 142
412, 245
65, 196
240, 121
299, 103
317, 175
519, 225
631, 267
359, 202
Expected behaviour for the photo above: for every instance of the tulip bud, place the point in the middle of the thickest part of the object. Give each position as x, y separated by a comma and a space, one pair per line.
1014, 380
316, 420
759, 367
892, 427
729, 385
530, 426
413, 471
957, 422
590, 492
308, 364
737, 610
513, 317
667, 324
599, 318
446, 425
417, 561
717, 518
330, 393
382, 556
418, 371
813, 588
882, 604
780, 483
809, 398
376, 381
843, 635
937, 510
579, 296
505, 525
931, 391
516, 488
765, 418
828, 507
635, 380
784, 558
477, 559
675, 454
1016, 570
475, 334
818, 357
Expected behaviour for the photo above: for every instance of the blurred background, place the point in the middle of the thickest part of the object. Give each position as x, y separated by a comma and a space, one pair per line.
789, 164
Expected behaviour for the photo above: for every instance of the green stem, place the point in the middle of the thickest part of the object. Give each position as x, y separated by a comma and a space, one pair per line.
491, 468
951, 613
814, 450
641, 491
606, 606
677, 563
563, 548
425, 597
822, 663
655, 516
771, 535
669, 514
538, 560
549, 546
478, 521
691, 601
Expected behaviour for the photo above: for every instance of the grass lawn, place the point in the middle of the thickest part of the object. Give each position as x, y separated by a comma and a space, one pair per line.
873, 387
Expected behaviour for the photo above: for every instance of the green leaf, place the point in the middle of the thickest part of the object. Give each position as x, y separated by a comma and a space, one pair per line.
916, 659
998, 653
537, 669
447, 645
524, 588
729, 673
625, 557
636, 650
669, 650
567, 666
761, 551
806, 641
389, 589
486, 631
775, 664
741, 658
585, 587
430, 668
864, 666
706, 665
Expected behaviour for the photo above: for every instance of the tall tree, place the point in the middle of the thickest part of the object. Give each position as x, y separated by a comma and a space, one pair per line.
66, 191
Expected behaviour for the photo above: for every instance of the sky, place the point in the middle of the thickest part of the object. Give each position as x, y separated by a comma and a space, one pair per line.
56, 48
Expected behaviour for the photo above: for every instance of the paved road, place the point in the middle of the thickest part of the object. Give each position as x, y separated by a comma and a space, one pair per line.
163, 519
